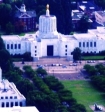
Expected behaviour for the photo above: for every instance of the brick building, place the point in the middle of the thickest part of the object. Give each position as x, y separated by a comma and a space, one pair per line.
25, 19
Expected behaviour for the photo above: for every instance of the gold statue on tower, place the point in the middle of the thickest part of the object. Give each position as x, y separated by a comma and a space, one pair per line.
47, 7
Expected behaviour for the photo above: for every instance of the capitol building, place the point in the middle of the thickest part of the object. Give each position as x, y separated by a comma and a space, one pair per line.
47, 41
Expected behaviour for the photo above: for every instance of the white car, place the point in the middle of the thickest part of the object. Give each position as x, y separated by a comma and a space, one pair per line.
71, 64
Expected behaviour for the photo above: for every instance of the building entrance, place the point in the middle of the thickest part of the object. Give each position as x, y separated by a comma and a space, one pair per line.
50, 50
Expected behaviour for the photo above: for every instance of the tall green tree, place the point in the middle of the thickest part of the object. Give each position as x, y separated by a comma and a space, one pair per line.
9, 28
84, 23
77, 53
100, 3
5, 13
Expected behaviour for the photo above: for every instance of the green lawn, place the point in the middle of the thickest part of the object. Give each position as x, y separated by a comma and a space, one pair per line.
84, 93
93, 57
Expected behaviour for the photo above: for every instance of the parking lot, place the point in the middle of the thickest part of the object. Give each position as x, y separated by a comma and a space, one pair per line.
60, 67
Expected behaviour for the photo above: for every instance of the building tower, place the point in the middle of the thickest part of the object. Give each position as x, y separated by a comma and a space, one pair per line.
0, 74
23, 9
47, 23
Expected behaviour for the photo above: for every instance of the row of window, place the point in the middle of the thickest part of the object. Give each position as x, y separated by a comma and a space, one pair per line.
65, 50
87, 44
35, 51
15, 46
11, 104
15, 97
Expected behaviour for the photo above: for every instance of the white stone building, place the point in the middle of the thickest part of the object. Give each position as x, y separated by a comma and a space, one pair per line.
19, 109
9, 94
48, 42
100, 17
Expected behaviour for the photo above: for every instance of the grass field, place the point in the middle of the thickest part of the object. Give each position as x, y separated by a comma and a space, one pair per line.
93, 57
84, 93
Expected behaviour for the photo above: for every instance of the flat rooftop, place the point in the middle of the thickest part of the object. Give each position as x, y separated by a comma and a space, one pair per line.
84, 36
101, 13
10, 37
77, 15
88, 5
19, 109
9, 91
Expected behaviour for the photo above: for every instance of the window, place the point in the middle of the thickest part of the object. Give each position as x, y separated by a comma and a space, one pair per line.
15, 97
65, 50
83, 44
87, 44
21, 104
10, 97
15, 46
2, 98
94, 44
6, 97
11, 104
7, 104
35, 47
2, 104
66, 46
16, 103
19, 46
66, 54
79, 44
11, 46
35, 54
90, 44
7, 46
35, 51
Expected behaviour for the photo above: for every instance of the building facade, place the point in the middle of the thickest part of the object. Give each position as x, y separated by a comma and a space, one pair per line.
9, 94
48, 42
100, 17
19, 109
25, 18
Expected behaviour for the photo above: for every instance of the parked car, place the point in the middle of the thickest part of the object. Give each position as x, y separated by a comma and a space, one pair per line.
88, 61
70, 64
56, 64
64, 66
53, 64
60, 64
74, 64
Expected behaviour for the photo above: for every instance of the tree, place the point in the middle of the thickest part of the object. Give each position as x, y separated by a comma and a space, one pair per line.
53, 83
19, 26
76, 54
64, 95
29, 72
2, 45
41, 72
9, 28
5, 12
4, 59
27, 56
25, 86
84, 23
100, 3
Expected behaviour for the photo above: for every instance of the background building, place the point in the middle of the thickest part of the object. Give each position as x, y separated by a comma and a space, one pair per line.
9, 94
25, 18
100, 17
48, 42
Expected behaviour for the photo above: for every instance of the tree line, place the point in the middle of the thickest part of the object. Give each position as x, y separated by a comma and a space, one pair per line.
97, 75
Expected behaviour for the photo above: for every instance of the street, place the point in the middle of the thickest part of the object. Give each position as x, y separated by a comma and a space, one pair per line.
64, 73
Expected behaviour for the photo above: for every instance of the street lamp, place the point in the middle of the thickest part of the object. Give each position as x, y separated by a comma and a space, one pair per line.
53, 72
